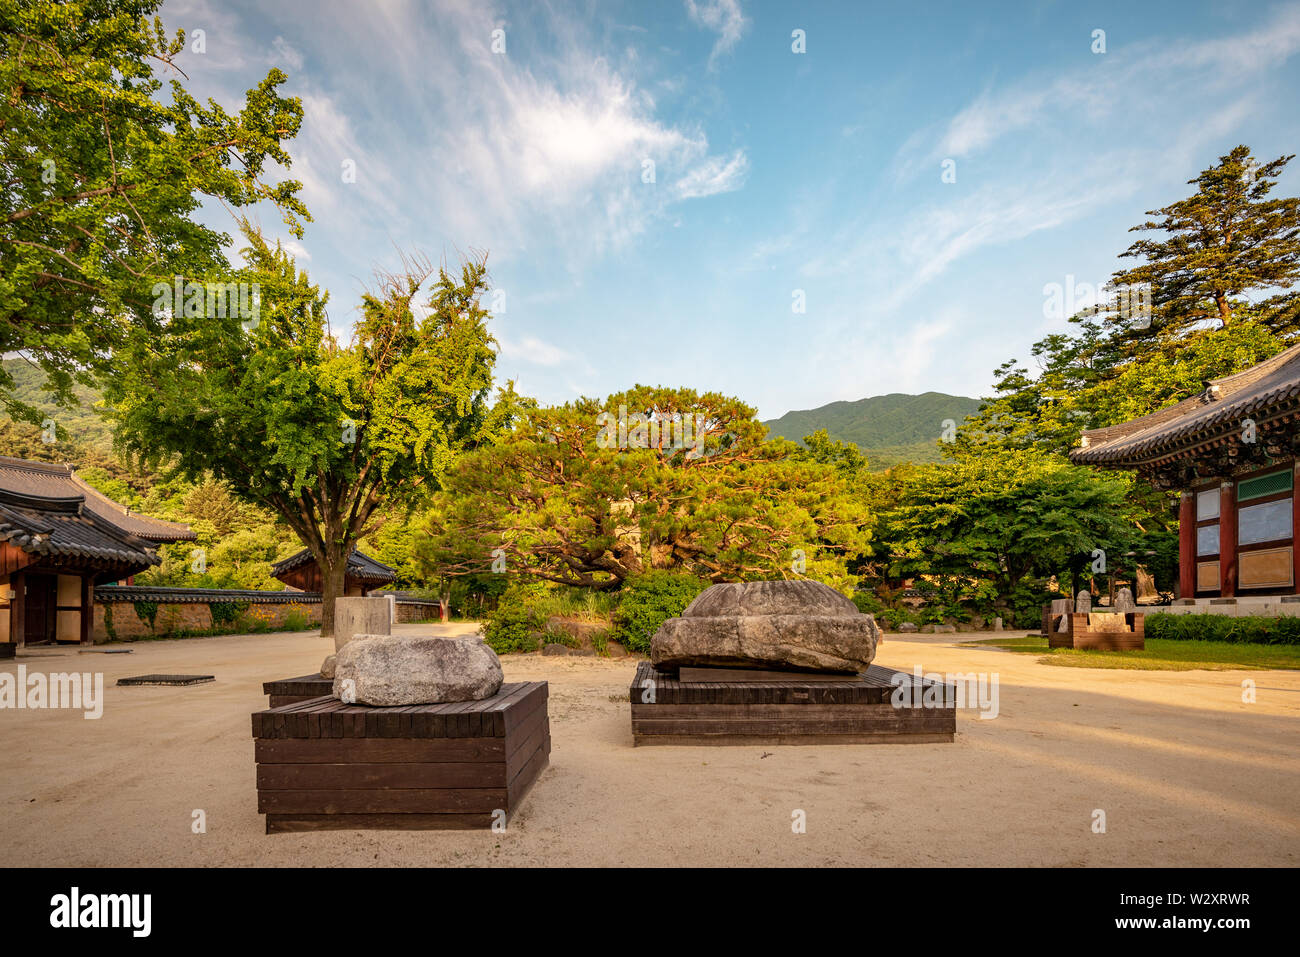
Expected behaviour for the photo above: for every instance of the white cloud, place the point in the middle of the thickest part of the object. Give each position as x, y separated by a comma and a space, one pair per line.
532, 349
717, 174
1107, 87
723, 17
285, 53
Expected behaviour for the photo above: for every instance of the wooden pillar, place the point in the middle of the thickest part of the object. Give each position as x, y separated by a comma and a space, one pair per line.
1187, 546
87, 608
1227, 538
18, 610
1295, 530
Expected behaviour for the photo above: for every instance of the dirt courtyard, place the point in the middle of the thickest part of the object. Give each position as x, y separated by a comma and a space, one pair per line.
1185, 772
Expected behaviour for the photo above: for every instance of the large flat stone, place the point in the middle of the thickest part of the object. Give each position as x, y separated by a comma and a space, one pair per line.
784, 625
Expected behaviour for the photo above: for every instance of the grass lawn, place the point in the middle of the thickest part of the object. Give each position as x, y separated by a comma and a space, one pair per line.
1159, 655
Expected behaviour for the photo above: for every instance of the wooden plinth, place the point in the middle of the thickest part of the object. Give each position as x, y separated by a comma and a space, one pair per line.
1081, 635
325, 765
788, 710
292, 690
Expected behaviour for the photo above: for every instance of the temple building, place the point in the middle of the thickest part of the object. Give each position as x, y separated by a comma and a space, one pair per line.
364, 574
59, 538
1233, 453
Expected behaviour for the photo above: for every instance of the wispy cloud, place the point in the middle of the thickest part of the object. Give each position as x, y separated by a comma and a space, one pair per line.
1108, 87
723, 17
718, 174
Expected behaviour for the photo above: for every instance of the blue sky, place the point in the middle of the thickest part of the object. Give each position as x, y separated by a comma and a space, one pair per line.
774, 171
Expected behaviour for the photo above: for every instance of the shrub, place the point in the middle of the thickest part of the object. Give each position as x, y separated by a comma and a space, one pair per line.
514, 624
1246, 630
146, 611
868, 603
648, 601
297, 619
226, 613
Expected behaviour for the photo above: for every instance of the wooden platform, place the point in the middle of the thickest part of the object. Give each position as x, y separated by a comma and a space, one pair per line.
292, 690
1080, 635
786, 710
325, 765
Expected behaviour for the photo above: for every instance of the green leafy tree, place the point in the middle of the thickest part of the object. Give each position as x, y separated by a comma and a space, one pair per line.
1226, 240
1220, 253
565, 499
316, 432
102, 178
983, 526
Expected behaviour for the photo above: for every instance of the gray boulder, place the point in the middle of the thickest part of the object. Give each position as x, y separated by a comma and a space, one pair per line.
390, 670
782, 625
907, 626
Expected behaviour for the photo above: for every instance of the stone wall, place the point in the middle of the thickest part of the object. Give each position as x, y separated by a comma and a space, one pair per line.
417, 610
124, 620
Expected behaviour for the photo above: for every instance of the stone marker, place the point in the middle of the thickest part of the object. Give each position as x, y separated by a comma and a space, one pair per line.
796, 625
391, 670
1083, 601
357, 616
997, 624
1124, 602
1061, 607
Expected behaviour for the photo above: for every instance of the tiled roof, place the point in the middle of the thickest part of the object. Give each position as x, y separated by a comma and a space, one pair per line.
360, 566
1263, 392
185, 596
46, 510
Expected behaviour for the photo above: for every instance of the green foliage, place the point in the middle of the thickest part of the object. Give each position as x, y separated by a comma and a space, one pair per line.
1223, 250
648, 601
226, 612
978, 531
296, 620
1243, 630
302, 426
1226, 240
514, 625
564, 503
147, 612
104, 180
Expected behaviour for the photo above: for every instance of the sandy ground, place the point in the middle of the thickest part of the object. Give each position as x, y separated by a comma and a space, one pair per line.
1186, 773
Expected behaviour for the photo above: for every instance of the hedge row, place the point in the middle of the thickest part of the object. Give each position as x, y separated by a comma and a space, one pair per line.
1246, 630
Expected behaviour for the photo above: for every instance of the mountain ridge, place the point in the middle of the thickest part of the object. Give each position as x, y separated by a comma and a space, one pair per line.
889, 428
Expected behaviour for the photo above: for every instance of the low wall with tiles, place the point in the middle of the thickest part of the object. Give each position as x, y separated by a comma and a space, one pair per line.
123, 613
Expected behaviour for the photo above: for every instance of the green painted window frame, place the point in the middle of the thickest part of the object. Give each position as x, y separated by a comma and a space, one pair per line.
1259, 486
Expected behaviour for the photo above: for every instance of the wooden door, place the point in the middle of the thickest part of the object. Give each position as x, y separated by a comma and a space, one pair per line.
42, 599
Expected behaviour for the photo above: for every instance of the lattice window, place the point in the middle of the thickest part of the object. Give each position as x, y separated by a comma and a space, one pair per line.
1262, 485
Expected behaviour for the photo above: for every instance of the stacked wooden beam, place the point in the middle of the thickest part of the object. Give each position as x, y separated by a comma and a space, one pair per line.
323, 764
771, 708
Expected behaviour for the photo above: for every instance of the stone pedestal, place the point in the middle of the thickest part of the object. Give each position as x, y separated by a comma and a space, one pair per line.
358, 616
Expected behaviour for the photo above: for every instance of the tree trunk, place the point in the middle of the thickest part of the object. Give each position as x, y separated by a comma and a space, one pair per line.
1225, 310
332, 576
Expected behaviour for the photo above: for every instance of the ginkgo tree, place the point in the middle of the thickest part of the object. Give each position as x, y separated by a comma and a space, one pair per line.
103, 178
319, 432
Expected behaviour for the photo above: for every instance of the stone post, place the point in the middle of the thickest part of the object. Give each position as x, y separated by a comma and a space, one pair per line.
358, 616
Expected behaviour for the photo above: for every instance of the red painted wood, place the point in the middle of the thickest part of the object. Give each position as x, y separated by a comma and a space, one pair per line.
1187, 546
1295, 529
1227, 539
